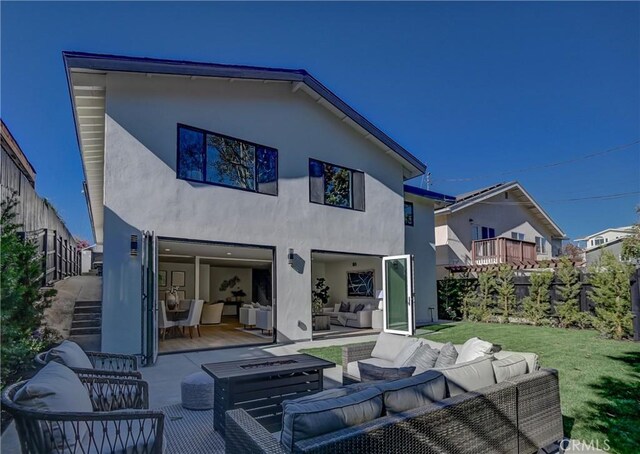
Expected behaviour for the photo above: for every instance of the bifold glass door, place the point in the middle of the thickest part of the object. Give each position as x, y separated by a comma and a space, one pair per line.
150, 296
397, 287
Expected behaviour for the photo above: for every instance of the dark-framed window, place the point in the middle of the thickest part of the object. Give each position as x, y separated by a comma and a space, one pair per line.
217, 159
334, 185
408, 213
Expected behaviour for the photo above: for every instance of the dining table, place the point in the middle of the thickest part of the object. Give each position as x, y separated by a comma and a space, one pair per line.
175, 315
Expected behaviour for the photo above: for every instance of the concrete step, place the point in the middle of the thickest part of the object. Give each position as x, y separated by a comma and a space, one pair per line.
88, 303
83, 331
87, 310
89, 316
95, 323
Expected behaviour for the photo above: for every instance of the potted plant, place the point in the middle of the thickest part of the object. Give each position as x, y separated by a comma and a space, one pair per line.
172, 298
320, 296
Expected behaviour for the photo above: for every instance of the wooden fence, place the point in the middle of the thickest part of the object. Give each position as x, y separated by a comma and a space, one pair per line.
522, 286
60, 258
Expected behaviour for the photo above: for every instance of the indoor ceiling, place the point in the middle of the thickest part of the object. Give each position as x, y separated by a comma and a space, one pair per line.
214, 254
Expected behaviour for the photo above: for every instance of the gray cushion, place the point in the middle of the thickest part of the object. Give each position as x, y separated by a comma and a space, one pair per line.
354, 371
303, 420
388, 345
472, 349
370, 372
531, 358
509, 367
407, 351
448, 355
413, 392
424, 358
57, 388
70, 354
470, 376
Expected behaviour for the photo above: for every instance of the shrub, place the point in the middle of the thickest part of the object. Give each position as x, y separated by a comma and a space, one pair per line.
506, 292
451, 296
23, 301
568, 305
612, 296
536, 306
478, 303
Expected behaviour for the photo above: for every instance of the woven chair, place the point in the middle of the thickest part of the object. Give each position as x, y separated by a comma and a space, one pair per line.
104, 365
120, 421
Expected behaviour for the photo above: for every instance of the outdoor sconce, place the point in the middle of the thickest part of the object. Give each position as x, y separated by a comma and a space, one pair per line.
290, 256
134, 245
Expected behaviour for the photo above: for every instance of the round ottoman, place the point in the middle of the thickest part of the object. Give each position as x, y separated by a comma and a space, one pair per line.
197, 391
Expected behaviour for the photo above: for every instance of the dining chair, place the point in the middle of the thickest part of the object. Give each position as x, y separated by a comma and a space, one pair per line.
163, 322
193, 319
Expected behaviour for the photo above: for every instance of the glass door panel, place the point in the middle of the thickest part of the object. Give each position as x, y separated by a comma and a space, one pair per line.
398, 294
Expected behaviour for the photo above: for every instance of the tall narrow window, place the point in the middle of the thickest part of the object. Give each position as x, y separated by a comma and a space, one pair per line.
334, 185
408, 213
541, 245
212, 158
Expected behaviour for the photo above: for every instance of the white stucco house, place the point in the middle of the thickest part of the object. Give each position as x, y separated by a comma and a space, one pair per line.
243, 184
609, 240
494, 225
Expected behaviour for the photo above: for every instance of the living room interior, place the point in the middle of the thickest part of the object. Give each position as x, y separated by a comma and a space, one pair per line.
351, 280
204, 294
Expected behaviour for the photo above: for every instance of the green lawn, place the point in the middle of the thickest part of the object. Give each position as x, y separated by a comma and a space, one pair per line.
599, 378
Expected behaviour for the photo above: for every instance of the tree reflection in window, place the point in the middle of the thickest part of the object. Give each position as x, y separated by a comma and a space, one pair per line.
213, 158
337, 186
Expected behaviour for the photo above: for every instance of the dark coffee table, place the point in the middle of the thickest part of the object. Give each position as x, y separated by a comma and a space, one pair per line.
259, 386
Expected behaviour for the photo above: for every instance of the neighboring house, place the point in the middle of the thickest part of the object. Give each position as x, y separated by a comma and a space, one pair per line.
208, 176
36, 216
606, 240
494, 225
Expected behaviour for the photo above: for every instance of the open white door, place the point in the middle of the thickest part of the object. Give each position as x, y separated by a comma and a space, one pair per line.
150, 297
397, 288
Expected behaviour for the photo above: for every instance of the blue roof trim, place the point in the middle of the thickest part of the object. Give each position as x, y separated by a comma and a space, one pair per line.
103, 62
428, 194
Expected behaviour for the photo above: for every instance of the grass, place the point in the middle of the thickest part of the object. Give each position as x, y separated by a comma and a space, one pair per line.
599, 378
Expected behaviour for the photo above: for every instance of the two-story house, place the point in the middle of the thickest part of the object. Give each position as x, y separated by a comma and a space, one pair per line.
606, 240
494, 225
238, 185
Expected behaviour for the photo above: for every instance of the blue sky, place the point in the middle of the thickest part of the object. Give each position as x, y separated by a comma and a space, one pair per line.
474, 90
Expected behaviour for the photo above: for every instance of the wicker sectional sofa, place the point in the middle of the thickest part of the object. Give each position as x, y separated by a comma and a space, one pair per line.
519, 414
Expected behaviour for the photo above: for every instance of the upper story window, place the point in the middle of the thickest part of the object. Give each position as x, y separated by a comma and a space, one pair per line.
208, 157
517, 236
541, 245
479, 232
334, 185
598, 241
408, 213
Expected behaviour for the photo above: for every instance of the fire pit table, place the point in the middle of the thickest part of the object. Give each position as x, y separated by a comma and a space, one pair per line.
259, 386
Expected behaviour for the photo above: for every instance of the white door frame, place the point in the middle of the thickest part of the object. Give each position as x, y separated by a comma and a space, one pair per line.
410, 295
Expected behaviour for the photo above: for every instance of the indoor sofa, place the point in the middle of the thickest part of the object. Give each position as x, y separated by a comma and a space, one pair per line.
353, 317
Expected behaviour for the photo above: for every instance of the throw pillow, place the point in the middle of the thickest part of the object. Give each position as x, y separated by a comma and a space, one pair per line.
423, 359
472, 349
344, 307
510, 367
56, 388
447, 356
369, 372
358, 308
465, 377
336, 307
70, 354
409, 348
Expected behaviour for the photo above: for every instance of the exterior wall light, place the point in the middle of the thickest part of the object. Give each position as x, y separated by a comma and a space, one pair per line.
134, 245
290, 256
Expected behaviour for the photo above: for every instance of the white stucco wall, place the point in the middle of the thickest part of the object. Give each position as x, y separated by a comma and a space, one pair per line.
420, 241
142, 192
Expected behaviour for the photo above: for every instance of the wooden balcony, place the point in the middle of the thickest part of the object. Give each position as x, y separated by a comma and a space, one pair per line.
495, 251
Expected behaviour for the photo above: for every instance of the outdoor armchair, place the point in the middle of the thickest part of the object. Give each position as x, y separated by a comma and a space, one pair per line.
120, 421
104, 364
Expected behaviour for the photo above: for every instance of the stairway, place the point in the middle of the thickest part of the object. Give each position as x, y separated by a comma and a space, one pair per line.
87, 318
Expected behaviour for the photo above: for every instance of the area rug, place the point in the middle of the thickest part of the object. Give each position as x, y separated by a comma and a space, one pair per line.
188, 431
256, 332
